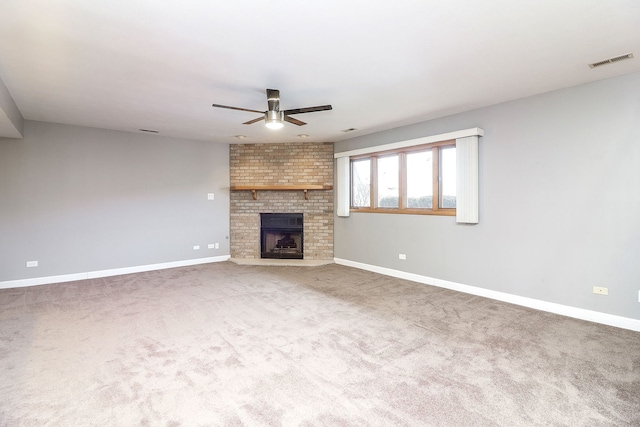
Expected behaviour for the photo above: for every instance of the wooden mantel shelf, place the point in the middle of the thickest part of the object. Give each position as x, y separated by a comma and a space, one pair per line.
302, 187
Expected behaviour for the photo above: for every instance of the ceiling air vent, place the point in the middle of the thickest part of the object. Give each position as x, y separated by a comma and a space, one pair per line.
611, 60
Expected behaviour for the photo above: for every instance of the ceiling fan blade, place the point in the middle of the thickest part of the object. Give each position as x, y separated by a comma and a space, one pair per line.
250, 122
294, 121
236, 108
308, 109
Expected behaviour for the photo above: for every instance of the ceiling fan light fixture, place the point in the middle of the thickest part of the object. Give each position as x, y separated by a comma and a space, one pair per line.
274, 119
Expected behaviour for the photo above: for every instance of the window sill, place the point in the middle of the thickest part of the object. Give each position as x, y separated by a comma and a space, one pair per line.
439, 212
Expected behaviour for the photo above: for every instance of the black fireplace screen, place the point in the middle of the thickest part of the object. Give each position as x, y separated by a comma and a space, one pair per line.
281, 235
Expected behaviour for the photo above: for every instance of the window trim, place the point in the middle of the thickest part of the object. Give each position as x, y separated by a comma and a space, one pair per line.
402, 208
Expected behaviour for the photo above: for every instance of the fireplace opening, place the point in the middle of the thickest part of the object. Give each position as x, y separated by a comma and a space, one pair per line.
281, 235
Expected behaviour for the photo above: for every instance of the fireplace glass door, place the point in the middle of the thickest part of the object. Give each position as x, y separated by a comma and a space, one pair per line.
281, 235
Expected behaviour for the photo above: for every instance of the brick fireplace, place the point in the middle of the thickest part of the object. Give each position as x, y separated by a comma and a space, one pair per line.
293, 177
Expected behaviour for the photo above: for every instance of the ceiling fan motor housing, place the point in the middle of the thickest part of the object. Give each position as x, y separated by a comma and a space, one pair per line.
273, 99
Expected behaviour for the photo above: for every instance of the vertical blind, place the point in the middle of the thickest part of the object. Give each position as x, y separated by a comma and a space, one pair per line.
343, 201
467, 180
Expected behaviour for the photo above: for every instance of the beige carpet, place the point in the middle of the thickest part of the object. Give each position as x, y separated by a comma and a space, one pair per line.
230, 345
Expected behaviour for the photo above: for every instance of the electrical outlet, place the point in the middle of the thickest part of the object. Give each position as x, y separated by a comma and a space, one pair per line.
196, 247
211, 246
32, 264
210, 196
217, 245
600, 291
402, 256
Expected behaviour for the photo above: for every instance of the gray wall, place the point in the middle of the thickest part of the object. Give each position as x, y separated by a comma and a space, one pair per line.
559, 202
80, 199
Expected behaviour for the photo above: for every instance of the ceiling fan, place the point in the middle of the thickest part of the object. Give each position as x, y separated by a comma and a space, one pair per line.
273, 117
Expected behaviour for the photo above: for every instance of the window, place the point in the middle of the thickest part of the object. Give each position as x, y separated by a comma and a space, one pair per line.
448, 177
388, 182
413, 180
361, 183
437, 175
420, 180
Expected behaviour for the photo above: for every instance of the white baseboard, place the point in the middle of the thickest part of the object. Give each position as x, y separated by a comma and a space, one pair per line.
106, 273
564, 310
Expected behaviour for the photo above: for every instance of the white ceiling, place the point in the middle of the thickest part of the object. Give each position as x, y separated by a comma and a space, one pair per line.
131, 64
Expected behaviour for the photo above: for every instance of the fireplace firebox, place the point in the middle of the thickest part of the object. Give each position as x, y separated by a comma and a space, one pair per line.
281, 235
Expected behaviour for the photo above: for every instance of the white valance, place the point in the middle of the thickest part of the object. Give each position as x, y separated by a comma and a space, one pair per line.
412, 142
